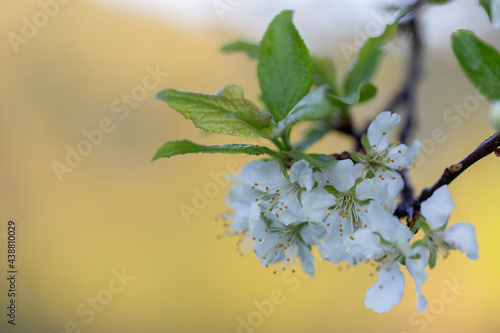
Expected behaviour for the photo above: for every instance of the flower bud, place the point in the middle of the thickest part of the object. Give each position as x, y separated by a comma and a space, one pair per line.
495, 114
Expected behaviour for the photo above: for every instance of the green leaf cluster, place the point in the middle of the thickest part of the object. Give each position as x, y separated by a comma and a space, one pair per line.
295, 87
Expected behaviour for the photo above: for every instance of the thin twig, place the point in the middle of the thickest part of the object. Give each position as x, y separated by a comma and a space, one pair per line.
453, 171
408, 96
408, 205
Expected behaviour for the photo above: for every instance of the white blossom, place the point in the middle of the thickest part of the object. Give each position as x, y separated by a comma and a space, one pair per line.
462, 236
280, 194
386, 242
339, 201
382, 160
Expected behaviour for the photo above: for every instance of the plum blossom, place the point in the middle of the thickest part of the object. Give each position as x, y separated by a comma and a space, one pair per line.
386, 242
339, 201
276, 242
462, 236
346, 211
382, 160
279, 194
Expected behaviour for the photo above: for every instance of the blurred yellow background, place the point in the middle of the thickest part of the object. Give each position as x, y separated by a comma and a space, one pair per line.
117, 214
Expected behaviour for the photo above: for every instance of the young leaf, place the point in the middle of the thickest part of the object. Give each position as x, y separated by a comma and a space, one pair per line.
173, 148
314, 106
252, 50
285, 67
365, 91
323, 68
492, 8
480, 62
324, 73
363, 66
226, 112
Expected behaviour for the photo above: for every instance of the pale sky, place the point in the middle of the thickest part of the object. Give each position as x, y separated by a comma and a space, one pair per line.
317, 20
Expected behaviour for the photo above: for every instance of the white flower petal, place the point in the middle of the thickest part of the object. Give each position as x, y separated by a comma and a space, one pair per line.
387, 291
239, 198
417, 271
438, 207
261, 172
306, 259
394, 188
403, 156
365, 245
358, 170
375, 189
384, 123
462, 236
339, 175
312, 233
293, 213
387, 225
264, 241
332, 247
316, 203
302, 173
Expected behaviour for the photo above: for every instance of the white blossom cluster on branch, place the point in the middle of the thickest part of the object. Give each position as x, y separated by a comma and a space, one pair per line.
346, 211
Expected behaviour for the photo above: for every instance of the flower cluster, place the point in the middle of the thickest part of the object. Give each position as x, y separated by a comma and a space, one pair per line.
346, 211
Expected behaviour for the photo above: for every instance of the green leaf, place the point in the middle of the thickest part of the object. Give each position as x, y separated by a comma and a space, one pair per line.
285, 67
363, 66
317, 160
226, 112
323, 68
324, 73
251, 50
332, 190
365, 91
314, 106
366, 143
314, 134
174, 148
492, 8
432, 258
480, 62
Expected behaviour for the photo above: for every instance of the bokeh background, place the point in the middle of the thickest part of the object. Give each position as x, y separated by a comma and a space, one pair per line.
118, 212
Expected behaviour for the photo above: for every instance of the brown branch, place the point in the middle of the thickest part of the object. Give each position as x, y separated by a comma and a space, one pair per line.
408, 97
409, 205
488, 146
